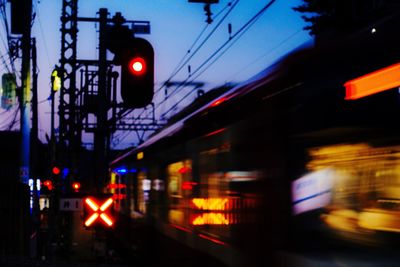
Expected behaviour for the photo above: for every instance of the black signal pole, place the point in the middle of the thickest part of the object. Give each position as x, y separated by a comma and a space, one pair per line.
101, 133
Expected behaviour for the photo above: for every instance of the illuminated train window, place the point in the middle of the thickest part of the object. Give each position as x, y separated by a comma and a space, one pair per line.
179, 174
356, 187
143, 191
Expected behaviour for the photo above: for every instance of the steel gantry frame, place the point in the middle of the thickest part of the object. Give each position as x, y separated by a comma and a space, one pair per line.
69, 134
97, 84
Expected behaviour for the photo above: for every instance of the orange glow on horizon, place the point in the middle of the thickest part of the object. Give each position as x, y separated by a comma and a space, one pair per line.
374, 82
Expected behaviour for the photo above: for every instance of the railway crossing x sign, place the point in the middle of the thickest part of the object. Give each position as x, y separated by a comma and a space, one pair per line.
98, 211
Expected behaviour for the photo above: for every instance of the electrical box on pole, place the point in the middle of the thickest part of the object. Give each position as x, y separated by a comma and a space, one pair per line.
9, 85
19, 15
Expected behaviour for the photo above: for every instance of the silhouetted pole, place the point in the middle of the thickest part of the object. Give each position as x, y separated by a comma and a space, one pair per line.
25, 106
101, 133
34, 132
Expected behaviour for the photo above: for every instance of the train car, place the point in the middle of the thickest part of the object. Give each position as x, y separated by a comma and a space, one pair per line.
278, 170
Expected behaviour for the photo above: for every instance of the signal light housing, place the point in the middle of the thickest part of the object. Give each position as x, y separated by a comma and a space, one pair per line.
137, 73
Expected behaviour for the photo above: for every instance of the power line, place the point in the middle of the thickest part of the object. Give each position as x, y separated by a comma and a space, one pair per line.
266, 53
42, 33
11, 125
180, 65
179, 68
239, 33
5, 44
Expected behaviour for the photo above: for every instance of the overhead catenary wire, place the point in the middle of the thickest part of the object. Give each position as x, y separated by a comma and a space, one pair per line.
14, 121
3, 14
5, 25
4, 61
238, 34
251, 63
43, 35
184, 61
265, 54
9, 122
185, 81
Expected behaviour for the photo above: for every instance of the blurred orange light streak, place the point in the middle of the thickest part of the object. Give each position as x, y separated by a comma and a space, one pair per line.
218, 101
373, 82
210, 203
211, 219
213, 239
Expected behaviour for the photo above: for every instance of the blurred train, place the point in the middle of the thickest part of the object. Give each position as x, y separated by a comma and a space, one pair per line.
304, 156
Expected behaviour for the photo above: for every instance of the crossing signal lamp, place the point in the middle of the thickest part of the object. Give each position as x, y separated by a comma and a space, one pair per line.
48, 184
55, 170
98, 212
137, 73
76, 186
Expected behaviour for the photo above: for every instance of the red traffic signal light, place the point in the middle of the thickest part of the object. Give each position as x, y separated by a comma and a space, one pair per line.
138, 66
137, 73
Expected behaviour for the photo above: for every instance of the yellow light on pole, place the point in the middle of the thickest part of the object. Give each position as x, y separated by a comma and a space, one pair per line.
56, 80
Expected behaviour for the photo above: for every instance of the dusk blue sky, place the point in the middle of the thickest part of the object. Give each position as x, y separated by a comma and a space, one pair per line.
175, 24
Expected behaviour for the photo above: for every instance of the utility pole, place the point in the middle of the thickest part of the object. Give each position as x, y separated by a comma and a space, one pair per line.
34, 132
25, 106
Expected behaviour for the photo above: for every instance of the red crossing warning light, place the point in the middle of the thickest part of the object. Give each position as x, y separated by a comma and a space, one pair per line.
76, 186
48, 184
55, 170
98, 211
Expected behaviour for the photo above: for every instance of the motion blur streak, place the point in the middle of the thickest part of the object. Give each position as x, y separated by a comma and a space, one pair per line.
373, 83
210, 203
211, 218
